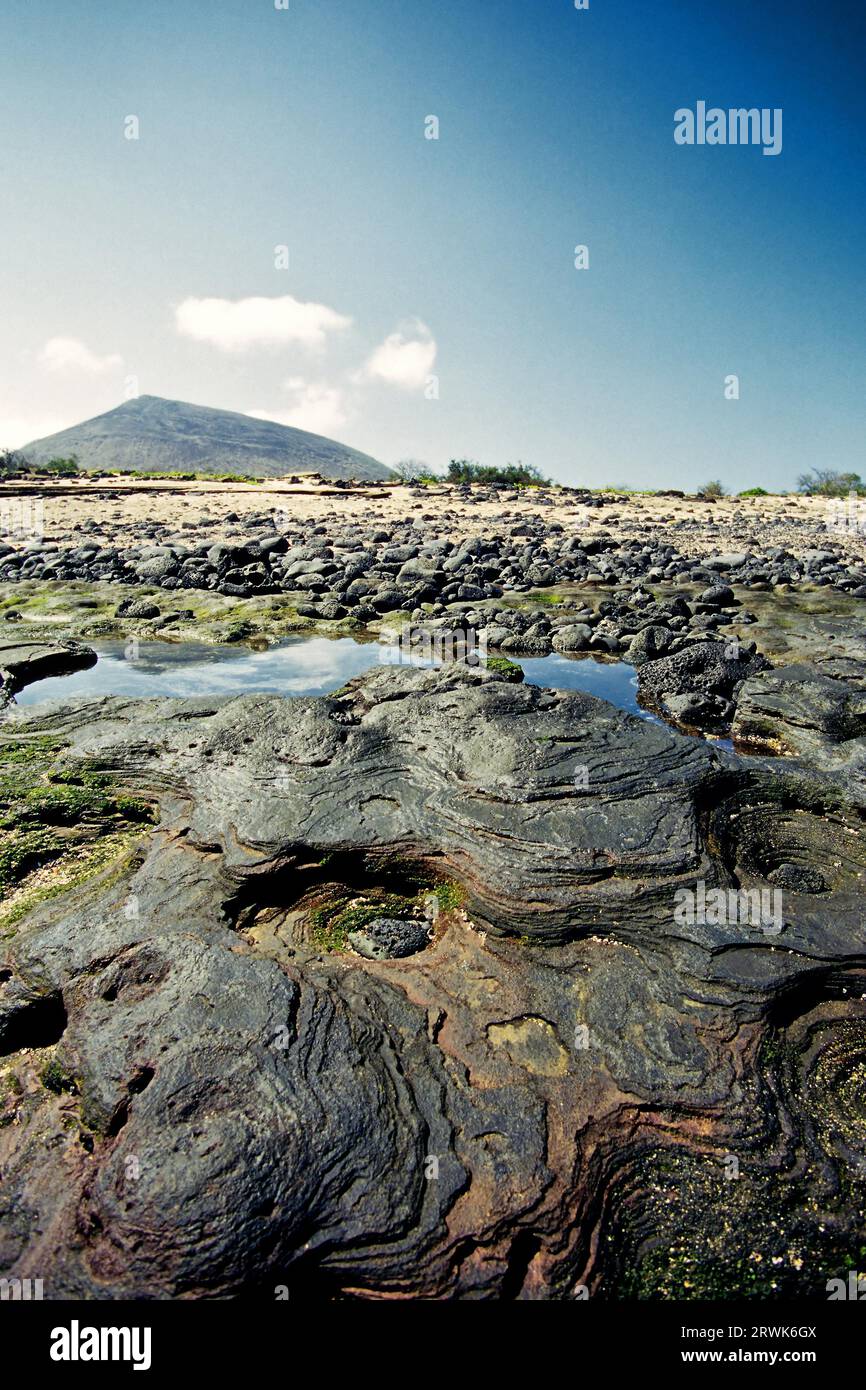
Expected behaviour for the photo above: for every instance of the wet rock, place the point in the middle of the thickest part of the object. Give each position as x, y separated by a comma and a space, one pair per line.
155, 570
496, 634
22, 664
608, 642
331, 610
718, 596
731, 561
797, 710
387, 600
139, 608
576, 637
797, 879
711, 713
536, 644
648, 644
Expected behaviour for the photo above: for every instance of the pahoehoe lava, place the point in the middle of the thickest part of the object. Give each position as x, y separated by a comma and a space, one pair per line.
565, 1090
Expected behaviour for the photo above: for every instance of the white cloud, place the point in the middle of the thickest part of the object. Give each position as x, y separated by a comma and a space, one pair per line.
235, 325
316, 407
65, 354
405, 359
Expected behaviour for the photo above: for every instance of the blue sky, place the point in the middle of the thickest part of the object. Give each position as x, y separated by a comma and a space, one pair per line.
150, 263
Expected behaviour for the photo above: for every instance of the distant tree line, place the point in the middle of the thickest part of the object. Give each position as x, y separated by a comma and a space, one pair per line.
818, 482
10, 462
826, 482
468, 471
512, 474
13, 462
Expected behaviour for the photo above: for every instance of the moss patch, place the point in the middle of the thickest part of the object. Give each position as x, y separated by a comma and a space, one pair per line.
58, 827
450, 895
332, 921
57, 1079
514, 673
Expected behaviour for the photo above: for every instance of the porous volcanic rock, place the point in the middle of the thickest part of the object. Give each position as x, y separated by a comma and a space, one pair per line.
703, 668
389, 938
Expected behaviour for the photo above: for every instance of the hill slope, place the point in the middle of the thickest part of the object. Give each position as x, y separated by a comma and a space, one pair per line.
157, 435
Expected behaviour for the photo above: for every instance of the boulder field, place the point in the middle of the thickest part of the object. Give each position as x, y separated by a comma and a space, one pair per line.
387, 566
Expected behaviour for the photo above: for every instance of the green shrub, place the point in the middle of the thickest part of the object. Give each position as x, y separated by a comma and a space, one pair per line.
512, 475
10, 462
62, 468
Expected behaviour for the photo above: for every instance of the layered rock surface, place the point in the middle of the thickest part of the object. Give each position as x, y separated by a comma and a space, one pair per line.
543, 1101
21, 663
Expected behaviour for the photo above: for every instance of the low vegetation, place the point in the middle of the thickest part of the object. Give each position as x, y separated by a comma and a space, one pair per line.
510, 669
827, 482
176, 476
511, 475
10, 462
415, 471
62, 468
13, 463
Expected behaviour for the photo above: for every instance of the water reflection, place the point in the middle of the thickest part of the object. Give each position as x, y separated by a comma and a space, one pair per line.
295, 666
